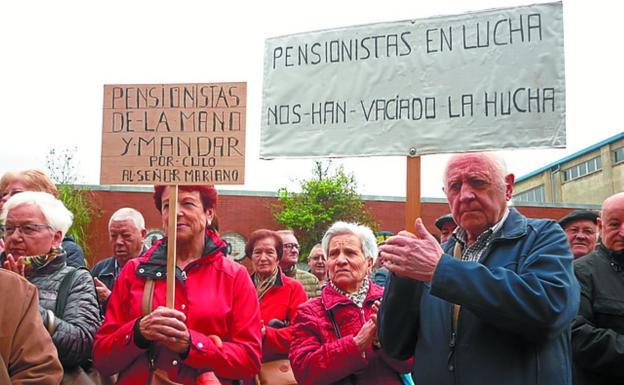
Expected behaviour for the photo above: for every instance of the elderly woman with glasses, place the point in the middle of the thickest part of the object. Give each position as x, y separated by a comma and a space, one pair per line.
34, 225
334, 338
16, 182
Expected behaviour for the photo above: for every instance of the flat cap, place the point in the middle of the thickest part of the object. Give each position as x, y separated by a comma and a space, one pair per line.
442, 220
578, 215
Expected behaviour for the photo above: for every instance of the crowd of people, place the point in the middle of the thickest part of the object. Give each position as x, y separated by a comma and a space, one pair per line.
499, 298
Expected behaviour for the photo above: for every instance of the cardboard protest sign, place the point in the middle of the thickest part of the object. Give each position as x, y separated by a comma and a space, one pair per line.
174, 134
471, 82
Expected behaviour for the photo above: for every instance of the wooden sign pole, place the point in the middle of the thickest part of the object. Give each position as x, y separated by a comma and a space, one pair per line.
171, 245
412, 196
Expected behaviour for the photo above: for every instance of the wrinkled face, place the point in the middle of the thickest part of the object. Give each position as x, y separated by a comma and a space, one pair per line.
447, 230
126, 240
290, 255
317, 262
191, 216
346, 262
34, 237
12, 188
476, 197
611, 224
582, 236
264, 257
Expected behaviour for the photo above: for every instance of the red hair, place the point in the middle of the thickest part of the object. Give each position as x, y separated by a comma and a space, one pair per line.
207, 194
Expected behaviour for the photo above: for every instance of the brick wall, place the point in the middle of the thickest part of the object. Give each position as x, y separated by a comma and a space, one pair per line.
245, 213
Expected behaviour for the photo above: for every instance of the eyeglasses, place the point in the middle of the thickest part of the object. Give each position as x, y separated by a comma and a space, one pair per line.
27, 229
291, 246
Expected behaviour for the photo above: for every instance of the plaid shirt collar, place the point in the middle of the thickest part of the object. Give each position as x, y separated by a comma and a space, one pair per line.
475, 251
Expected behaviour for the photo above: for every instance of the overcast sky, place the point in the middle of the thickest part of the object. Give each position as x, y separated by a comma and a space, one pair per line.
57, 55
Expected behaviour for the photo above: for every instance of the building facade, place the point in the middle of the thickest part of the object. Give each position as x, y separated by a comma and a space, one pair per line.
241, 212
585, 177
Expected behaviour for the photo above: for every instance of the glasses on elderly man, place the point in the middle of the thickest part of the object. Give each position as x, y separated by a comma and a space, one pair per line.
291, 246
27, 229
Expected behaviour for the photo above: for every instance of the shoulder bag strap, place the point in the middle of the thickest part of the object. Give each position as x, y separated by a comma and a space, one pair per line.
63, 293
148, 297
146, 308
330, 312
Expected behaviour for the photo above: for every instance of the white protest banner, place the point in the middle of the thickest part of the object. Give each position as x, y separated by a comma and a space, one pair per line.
174, 134
477, 81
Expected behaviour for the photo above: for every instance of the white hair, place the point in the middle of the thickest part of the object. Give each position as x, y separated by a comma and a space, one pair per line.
495, 160
54, 211
130, 214
367, 238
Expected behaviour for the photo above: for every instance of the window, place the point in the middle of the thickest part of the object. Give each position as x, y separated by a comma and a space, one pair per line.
618, 155
582, 169
536, 194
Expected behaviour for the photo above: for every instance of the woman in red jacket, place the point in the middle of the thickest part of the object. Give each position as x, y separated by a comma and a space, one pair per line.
334, 339
214, 297
279, 295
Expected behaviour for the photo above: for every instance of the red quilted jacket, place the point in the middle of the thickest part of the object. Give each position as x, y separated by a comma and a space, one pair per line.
280, 302
319, 357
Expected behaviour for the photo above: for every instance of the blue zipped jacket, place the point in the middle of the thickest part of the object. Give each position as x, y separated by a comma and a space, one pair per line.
516, 307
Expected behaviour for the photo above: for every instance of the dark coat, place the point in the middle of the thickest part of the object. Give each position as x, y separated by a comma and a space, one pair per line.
105, 271
75, 255
598, 329
514, 323
75, 329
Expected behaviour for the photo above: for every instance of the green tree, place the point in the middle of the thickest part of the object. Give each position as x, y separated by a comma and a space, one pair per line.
327, 197
62, 170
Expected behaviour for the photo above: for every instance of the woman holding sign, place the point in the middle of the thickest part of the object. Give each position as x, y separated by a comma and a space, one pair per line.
215, 323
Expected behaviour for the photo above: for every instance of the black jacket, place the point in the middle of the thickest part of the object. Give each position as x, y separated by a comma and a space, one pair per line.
106, 272
75, 329
75, 255
598, 329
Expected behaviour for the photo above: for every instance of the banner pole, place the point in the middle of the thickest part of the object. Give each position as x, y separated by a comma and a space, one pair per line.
171, 245
412, 196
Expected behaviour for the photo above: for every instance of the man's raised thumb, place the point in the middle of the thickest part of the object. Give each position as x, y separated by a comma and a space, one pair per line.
420, 230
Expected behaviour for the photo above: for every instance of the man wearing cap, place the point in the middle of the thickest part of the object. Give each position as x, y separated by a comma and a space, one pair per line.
598, 329
446, 225
581, 228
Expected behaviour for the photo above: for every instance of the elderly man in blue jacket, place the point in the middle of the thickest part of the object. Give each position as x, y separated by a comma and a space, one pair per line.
494, 306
